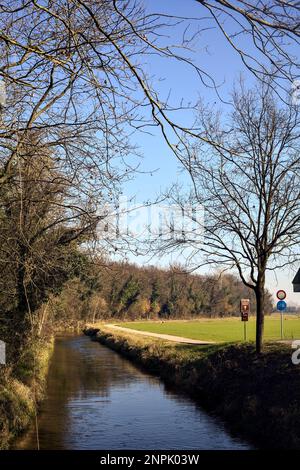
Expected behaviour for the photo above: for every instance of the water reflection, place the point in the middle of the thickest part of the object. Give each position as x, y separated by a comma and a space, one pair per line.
98, 400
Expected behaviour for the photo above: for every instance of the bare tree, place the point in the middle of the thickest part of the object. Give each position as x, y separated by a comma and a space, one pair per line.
264, 34
75, 71
42, 223
248, 180
76, 68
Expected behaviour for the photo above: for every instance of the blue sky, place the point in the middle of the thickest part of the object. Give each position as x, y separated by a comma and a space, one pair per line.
222, 62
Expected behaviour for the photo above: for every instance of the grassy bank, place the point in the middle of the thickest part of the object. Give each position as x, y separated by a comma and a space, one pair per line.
221, 329
22, 388
258, 398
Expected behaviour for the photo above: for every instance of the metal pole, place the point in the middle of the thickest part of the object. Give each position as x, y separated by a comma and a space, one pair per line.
281, 325
245, 331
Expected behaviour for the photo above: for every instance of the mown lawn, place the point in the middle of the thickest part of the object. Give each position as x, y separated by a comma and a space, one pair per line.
221, 330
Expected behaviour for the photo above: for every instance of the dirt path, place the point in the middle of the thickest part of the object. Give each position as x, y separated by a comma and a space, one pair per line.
176, 339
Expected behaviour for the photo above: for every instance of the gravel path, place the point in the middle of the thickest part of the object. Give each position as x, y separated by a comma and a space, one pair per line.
176, 339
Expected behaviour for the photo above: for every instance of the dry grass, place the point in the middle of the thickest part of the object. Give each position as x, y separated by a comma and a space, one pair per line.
21, 388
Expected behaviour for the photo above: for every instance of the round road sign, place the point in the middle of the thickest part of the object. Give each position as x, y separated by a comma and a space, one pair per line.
281, 294
281, 305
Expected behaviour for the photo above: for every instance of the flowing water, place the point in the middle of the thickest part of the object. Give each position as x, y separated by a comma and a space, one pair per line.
98, 400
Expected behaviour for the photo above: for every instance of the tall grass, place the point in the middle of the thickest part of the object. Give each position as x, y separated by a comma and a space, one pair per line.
21, 388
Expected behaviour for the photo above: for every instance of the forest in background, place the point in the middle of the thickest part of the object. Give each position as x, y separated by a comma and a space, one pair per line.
114, 290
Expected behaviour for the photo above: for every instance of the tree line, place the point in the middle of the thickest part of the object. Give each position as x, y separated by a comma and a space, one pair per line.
116, 291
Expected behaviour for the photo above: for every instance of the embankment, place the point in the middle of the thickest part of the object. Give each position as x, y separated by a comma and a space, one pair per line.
258, 397
22, 388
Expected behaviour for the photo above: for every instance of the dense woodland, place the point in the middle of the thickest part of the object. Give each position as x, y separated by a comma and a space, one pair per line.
122, 290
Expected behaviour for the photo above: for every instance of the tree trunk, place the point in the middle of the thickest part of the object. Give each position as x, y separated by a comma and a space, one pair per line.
260, 313
21, 294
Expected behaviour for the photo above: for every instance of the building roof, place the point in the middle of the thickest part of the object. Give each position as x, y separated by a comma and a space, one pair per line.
296, 279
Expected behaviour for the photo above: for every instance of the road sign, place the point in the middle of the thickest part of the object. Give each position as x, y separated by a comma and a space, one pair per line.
245, 309
244, 316
281, 294
281, 305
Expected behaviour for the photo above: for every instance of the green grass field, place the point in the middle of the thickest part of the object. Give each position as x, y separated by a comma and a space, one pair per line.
221, 330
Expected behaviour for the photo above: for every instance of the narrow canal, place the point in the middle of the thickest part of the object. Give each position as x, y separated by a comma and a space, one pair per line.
98, 400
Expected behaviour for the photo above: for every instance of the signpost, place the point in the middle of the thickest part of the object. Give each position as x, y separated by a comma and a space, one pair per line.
281, 306
245, 310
